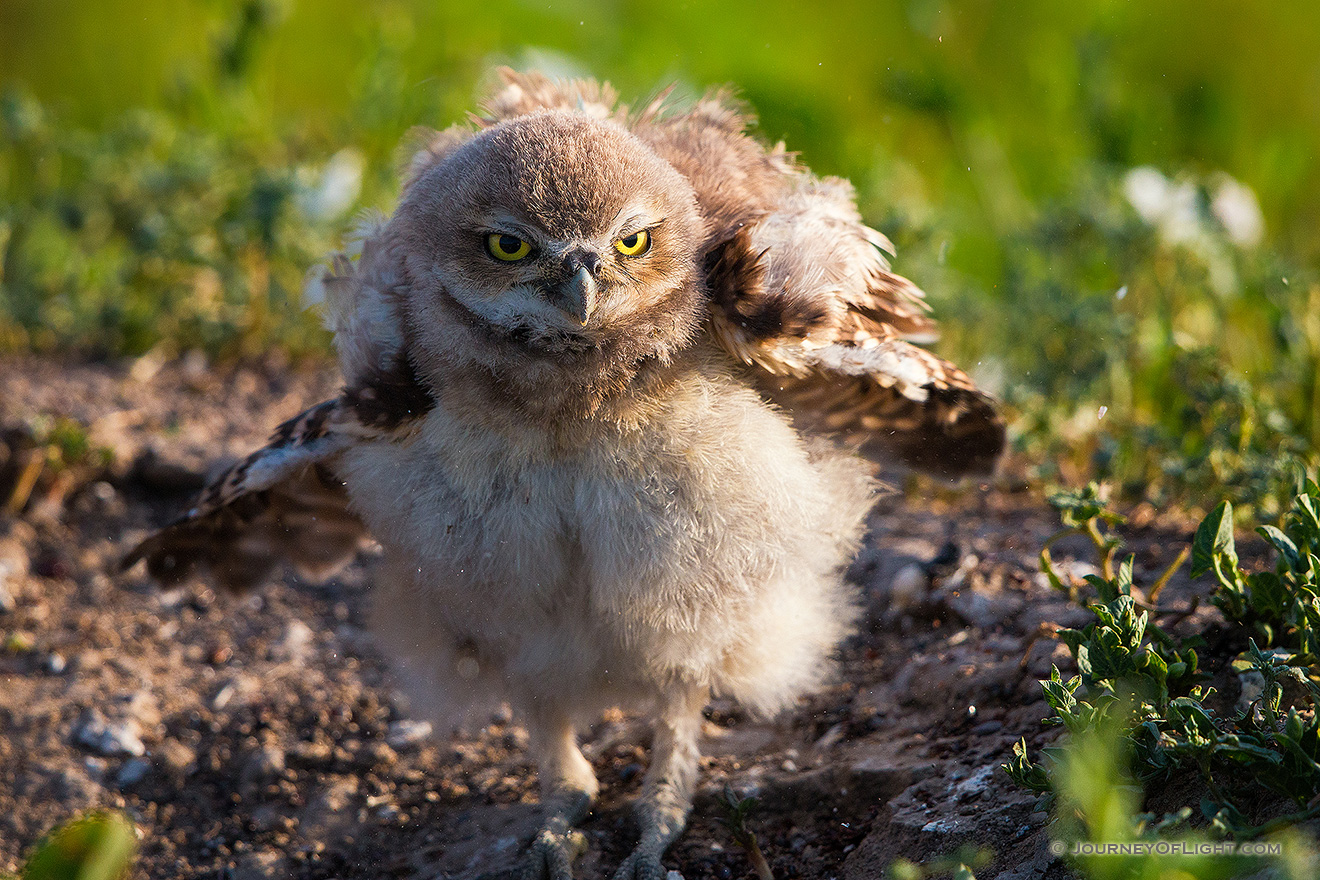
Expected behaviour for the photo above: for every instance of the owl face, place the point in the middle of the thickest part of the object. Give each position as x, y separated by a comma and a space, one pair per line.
554, 232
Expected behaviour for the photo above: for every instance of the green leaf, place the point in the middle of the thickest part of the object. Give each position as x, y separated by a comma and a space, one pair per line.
1213, 548
98, 846
1267, 596
1284, 545
1023, 772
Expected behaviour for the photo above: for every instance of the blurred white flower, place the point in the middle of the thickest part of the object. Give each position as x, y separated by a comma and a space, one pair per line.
1169, 207
1148, 192
1235, 206
335, 189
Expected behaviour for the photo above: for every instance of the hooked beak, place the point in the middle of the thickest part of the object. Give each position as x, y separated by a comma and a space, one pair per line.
578, 295
578, 292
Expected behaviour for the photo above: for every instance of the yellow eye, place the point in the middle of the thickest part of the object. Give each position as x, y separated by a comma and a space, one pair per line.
509, 248
633, 245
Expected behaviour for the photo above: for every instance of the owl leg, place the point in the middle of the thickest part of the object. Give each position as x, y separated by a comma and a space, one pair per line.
666, 797
568, 788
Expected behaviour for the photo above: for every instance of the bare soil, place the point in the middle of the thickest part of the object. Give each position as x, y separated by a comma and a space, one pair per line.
262, 735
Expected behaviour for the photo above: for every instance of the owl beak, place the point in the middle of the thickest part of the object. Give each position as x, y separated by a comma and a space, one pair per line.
577, 295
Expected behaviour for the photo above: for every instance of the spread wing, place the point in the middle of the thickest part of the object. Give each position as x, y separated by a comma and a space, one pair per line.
801, 290
284, 502
804, 293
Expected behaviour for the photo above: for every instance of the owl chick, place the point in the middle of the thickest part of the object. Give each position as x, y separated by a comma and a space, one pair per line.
589, 363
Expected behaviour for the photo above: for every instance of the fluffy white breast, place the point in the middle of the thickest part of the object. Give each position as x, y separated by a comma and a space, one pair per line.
705, 545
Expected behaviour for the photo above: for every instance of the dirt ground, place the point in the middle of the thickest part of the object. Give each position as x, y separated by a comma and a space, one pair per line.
262, 736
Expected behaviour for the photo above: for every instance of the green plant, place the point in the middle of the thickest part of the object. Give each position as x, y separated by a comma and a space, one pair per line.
1280, 606
1138, 712
737, 809
95, 846
45, 458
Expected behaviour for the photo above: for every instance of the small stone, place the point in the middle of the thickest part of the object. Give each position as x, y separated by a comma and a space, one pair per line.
908, 589
224, 695
133, 772
110, 738
831, 737
296, 645
982, 612
1251, 687
7, 601
56, 664
407, 733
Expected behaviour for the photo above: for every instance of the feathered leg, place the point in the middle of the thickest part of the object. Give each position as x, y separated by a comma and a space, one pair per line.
667, 789
568, 788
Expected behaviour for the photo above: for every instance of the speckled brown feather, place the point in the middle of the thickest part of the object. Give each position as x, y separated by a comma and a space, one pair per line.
284, 501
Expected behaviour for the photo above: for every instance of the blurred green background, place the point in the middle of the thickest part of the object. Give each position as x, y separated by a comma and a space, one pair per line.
1114, 207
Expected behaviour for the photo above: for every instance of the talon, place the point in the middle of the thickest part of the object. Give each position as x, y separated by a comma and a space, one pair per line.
643, 864
552, 854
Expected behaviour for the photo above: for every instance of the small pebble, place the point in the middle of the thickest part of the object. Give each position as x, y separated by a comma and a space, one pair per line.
56, 664
908, 589
407, 733
224, 695
133, 772
296, 646
831, 737
110, 738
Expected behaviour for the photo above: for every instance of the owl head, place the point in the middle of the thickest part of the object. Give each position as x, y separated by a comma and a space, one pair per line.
550, 241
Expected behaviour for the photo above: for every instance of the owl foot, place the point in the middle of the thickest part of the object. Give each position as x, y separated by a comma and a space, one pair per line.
643, 864
553, 852
558, 844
